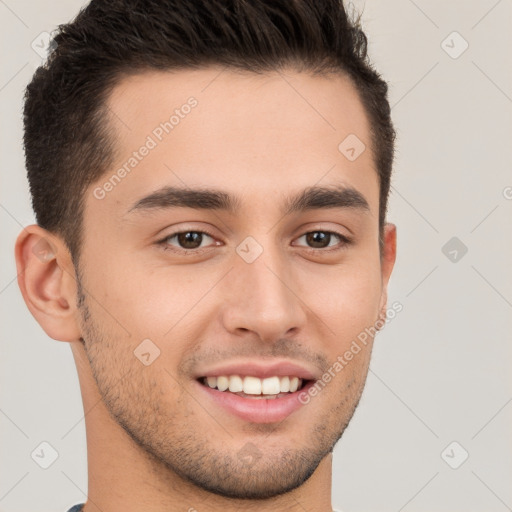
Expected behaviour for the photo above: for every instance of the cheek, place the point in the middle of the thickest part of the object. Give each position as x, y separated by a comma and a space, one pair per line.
137, 299
347, 298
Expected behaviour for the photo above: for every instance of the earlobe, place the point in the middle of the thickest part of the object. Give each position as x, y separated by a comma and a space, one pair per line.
46, 279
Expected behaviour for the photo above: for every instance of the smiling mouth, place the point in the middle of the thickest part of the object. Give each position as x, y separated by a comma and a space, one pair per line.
253, 387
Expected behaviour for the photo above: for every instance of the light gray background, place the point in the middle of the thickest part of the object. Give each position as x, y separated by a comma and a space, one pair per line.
440, 370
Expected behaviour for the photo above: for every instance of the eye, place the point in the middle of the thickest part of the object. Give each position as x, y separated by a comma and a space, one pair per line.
186, 240
322, 240
192, 241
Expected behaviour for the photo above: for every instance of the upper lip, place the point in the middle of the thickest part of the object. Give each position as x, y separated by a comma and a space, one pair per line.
261, 369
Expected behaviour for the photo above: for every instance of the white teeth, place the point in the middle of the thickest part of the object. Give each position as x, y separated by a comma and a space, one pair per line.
222, 383
235, 384
285, 384
250, 385
294, 384
270, 386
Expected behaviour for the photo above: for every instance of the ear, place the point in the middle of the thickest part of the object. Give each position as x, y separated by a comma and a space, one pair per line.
46, 277
387, 262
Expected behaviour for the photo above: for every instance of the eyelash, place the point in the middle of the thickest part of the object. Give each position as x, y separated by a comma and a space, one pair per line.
163, 243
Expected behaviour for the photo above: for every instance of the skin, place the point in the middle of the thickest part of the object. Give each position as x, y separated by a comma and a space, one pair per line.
153, 441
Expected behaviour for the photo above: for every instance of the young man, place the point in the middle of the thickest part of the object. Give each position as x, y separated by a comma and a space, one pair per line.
210, 182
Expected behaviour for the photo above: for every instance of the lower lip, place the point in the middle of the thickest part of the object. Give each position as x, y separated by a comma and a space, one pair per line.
257, 410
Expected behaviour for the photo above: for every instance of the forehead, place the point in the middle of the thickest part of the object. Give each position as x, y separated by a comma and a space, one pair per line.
230, 100
218, 128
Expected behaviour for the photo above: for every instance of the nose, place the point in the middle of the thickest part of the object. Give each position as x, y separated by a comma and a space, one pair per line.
261, 298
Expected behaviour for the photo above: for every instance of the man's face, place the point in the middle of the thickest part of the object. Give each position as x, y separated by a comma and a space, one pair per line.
253, 284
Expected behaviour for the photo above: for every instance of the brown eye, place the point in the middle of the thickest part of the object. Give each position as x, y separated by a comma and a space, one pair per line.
190, 239
318, 239
323, 239
186, 240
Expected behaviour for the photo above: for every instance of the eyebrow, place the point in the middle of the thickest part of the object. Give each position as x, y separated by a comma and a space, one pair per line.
311, 198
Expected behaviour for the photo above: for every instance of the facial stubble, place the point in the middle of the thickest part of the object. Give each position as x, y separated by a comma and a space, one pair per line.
167, 424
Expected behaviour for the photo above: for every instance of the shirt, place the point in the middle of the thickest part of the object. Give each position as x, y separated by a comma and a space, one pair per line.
78, 508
